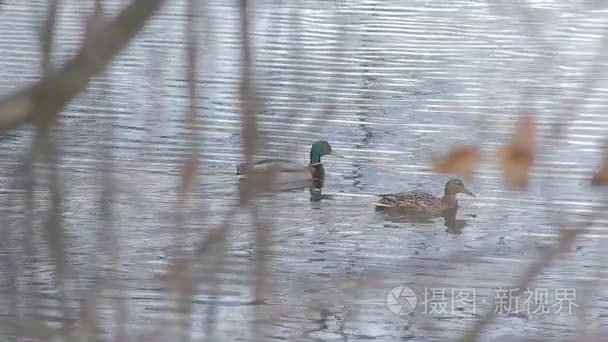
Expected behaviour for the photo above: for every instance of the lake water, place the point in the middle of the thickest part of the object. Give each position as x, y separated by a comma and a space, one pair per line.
388, 84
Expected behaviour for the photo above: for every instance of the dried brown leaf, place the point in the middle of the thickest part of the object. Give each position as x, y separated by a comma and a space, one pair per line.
461, 159
178, 279
187, 174
525, 133
600, 177
515, 159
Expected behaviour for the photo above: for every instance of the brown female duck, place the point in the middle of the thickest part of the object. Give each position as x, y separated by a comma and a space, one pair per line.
423, 202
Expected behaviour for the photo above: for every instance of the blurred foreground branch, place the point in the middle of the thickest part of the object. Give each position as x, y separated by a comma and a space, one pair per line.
567, 237
46, 35
45, 99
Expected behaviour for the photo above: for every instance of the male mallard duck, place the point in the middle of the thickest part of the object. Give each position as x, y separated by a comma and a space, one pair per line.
289, 171
423, 202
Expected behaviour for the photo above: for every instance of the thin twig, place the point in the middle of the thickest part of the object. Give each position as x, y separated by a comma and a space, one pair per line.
190, 164
46, 36
248, 105
10, 268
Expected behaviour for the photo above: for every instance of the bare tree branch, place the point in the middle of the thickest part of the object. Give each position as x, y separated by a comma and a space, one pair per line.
189, 166
248, 112
567, 237
45, 99
46, 36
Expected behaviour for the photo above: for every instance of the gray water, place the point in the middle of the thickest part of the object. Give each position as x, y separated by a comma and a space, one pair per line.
388, 84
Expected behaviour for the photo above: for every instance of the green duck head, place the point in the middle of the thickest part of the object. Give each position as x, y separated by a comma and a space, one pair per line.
321, 148
455, 186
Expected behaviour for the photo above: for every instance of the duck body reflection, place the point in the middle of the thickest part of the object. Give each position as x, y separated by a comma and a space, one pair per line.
450, 221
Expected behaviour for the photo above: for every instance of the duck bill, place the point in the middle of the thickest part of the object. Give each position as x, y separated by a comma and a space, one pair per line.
336, 154
468, 192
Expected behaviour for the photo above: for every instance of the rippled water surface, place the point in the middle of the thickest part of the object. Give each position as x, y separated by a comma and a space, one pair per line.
388, 84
